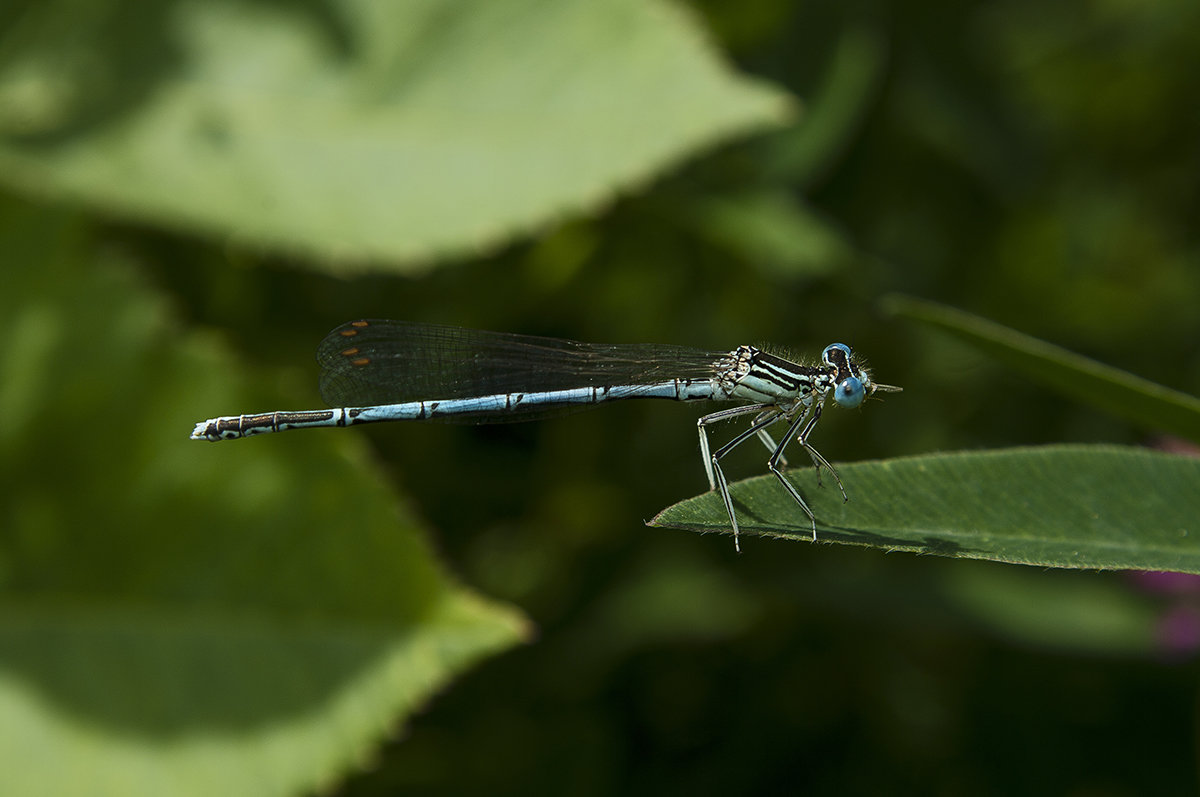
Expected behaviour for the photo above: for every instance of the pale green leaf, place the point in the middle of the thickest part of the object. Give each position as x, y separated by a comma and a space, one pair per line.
358, 131
179, 617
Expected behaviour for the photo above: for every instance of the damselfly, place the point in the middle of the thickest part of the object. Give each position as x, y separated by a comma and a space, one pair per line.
374, 371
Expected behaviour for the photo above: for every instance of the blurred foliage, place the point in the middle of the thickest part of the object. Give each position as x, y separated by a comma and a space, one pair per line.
175, 621
1112, 390
1033, 164
290, 127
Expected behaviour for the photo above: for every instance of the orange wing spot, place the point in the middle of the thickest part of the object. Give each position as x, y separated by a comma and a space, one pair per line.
359, 324
361, 361
350, 352
348, 333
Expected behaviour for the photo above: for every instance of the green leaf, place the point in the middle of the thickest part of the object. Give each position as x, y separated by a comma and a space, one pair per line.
359, 130
1055, 506
1110, 389
180, 617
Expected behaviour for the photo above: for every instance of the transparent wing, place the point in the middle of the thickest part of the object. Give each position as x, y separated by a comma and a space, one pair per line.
388, 362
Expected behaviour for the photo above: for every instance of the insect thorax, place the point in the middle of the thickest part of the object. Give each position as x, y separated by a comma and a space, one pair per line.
750, 374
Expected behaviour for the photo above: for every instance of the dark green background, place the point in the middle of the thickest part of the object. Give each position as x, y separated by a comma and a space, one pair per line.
1037, 164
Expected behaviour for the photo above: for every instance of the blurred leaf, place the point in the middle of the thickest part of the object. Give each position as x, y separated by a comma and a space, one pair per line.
1054, 506
1110, 389
355, 130
772, 230
686, 598
1097, 615
835, 113
179, 617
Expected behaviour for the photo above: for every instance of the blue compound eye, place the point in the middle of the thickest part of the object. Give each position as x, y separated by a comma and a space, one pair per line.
842, 347
850, 393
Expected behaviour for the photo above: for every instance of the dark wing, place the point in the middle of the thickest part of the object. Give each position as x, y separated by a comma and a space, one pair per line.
388, 362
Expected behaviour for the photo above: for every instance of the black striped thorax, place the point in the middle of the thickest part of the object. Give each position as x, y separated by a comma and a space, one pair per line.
754, 375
